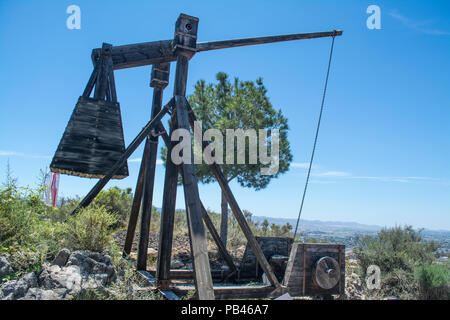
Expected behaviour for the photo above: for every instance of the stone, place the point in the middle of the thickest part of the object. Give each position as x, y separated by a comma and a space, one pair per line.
43, 294
82, 270
19, 288
5, 267
152, 253
61, 258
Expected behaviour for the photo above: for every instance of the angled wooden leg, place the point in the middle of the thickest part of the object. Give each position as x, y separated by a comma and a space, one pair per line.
222, 249
203, 279
185, 47
136, 206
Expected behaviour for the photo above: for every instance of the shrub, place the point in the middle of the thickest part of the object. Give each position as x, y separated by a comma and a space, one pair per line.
24, 220
117, 202
395, 248
398, 252
89, 229
434, 281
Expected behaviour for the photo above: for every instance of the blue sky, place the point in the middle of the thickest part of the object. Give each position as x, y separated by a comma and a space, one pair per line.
384, 149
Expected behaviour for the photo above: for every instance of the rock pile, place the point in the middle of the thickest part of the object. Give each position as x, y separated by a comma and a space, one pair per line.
66, 277
354, 289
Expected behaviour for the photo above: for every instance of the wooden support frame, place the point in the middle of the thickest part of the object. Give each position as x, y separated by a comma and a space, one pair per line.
211, 228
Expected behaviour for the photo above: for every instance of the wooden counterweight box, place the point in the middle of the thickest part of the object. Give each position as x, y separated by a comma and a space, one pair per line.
315, 269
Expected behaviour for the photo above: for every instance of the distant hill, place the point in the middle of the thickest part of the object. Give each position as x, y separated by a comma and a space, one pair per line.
317, 225
340, 226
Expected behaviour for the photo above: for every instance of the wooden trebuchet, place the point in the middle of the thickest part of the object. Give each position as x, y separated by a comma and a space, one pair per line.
160, 53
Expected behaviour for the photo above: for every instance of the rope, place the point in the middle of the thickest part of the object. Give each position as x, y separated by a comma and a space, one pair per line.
315, 139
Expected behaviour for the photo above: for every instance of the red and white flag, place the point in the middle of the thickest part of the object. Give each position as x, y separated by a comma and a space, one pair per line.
51, 186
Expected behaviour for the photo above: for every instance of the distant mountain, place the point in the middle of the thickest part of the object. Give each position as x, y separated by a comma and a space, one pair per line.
338, 226
317, 225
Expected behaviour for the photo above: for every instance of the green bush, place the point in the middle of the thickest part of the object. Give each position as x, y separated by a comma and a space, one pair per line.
398, 252
90, 229
434, 281
24, 218
117, 202
395, 248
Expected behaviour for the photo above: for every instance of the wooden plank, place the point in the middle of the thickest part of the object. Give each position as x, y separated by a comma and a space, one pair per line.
188, 274
142, 54
222, 248
136, 205
231, 292
238, 214
167, 218
157, 101
112, 83
224, 219
102, 77
203, 280
215, 45
129, 150
149, 182
90, 85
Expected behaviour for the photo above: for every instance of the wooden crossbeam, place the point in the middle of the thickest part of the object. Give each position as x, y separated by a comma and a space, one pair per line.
230, 292
143, 54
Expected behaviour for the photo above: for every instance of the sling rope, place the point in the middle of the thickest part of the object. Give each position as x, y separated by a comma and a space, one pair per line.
315, 139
